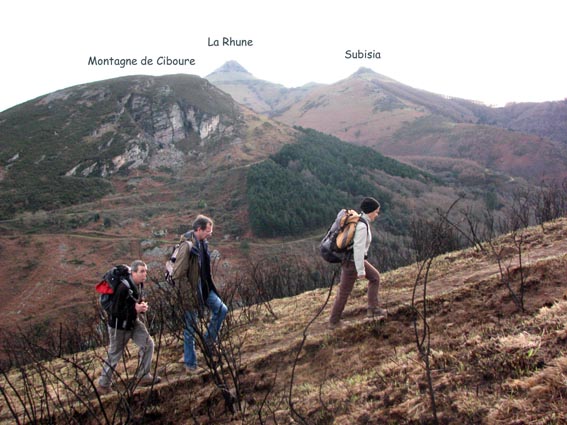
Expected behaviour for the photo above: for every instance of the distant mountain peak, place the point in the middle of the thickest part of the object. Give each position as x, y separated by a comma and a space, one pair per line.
367, 73
232, 66
230, 71
364, 70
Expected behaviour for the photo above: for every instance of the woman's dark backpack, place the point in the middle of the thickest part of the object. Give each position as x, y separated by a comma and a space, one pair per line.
339, 238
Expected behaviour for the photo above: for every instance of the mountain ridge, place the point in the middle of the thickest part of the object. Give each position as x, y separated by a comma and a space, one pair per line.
260, 95
373, 110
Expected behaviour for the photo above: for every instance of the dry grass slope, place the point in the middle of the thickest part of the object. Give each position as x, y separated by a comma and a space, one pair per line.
491, 363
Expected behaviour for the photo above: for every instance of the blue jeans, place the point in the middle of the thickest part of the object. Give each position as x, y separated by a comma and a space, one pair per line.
218, 313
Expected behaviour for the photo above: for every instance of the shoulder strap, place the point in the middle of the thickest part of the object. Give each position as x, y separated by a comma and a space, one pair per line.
363, 220
126, 282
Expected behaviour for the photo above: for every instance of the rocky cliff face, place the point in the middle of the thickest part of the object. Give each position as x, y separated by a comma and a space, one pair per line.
169, 132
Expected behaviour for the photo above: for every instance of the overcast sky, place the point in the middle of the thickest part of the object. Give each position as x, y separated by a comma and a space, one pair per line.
491, 51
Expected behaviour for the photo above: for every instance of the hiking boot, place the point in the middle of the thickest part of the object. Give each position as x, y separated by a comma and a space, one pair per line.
377, 312
104, 390
149, 380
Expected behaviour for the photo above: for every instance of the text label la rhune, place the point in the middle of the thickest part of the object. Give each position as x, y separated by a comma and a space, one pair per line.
229, 42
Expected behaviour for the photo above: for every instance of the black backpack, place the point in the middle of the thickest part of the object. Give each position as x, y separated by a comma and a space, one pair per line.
339, 238
108, 285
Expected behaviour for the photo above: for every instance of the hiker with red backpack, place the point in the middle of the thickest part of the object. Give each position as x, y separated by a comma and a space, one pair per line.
354, 266
123, 302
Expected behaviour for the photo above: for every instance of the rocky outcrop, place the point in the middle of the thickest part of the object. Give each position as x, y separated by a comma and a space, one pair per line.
170, 131
133, 157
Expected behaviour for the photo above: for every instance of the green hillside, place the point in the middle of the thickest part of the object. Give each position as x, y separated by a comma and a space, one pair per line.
38, 143
306, 183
